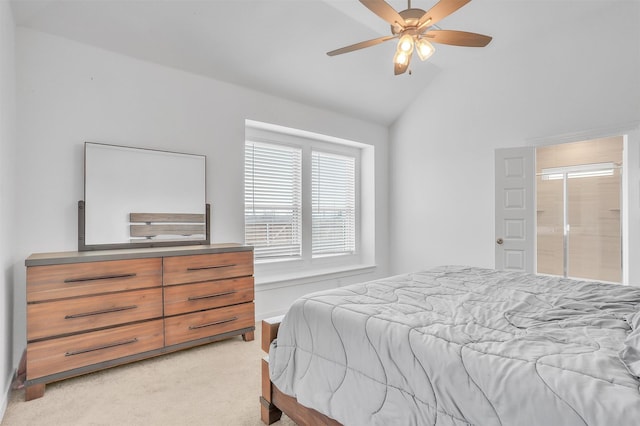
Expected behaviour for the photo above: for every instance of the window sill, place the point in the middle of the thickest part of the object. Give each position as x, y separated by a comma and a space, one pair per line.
267, 281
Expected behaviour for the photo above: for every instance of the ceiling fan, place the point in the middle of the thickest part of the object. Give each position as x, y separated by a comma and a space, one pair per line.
414, 29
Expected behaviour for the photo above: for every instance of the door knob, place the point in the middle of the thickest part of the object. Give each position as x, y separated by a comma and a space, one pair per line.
500, 241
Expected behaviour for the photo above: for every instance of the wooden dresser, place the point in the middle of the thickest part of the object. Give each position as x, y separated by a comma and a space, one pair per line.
87, 311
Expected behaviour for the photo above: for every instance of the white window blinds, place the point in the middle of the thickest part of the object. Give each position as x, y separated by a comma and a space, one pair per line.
333, 204
273, 200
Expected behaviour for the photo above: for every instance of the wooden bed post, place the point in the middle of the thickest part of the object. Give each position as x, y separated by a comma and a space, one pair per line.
269, 413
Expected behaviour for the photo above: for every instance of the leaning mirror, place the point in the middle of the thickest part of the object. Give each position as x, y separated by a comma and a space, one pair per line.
137, 197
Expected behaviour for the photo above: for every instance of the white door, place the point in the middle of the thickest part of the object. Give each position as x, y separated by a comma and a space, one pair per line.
515, 209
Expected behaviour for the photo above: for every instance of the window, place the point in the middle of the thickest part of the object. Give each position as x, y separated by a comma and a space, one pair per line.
273, 206
301, 198
333, 204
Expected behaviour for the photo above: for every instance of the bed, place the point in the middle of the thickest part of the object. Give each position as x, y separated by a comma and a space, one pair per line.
457, 345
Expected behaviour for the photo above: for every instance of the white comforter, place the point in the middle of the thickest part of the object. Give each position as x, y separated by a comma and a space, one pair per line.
462, 345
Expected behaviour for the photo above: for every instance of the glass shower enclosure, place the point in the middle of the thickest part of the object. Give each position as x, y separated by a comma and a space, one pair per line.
578, 187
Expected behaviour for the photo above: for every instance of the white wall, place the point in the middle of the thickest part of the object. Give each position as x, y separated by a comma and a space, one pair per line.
7, 197
69, 93
582, 78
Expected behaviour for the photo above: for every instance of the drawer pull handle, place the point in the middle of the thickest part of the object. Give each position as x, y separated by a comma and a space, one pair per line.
98, 348
104, 311
195, 327
209, 296
103, 277
211, 267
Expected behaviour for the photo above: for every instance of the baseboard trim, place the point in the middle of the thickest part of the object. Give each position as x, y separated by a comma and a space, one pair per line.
5, 394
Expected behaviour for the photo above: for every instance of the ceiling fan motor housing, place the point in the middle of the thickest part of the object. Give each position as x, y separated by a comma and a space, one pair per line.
411, 18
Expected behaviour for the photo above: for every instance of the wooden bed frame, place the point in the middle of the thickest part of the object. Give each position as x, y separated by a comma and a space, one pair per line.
273, 402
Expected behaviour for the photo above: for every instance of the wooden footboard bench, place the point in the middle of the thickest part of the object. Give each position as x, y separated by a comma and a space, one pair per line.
273, 402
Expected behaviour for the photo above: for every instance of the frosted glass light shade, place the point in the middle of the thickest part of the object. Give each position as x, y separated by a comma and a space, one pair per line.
425, 49
401, 58
406, 44
401, 61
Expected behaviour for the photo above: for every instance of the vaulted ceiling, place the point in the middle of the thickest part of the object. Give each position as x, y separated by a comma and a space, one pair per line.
279, 46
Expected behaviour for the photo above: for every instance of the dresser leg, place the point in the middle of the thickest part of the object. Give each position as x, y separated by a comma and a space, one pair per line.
248, 336
34, 391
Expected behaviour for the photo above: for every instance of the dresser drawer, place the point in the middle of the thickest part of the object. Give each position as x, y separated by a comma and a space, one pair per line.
66, 353
207, 267
198, 325
180, 299
87, 313
81, 279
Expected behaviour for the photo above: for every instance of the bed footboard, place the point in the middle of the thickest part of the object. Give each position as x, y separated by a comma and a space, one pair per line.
273, 402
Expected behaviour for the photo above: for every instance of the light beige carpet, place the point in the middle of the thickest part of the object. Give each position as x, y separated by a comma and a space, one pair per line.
216, 384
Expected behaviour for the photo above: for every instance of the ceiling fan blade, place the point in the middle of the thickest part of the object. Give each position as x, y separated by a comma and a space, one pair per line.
457, 38
441, 10
385, 11
360, 45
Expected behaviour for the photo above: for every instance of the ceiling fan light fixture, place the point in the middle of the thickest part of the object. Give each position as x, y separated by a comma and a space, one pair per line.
406, 44
424, 49
401, 58
401, 61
